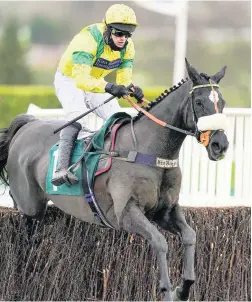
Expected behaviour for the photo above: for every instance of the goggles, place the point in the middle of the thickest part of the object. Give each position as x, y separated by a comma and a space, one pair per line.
120, 33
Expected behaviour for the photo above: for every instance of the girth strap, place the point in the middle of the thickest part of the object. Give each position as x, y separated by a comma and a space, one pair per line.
146, 159
90, 198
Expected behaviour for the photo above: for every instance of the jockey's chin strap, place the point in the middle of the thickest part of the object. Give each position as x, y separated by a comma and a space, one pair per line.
201, 136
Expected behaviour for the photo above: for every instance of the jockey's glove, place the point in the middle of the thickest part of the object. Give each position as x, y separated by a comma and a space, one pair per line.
116, 90
137, 94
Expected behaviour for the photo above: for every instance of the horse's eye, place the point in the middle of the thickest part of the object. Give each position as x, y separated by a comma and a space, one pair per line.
198, 102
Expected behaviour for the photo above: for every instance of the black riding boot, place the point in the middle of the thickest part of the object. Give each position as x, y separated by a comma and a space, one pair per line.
68, 137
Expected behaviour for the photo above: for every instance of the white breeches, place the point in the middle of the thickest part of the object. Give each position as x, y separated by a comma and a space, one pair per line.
76, 101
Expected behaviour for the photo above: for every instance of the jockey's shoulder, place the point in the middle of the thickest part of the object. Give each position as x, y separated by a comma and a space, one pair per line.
94, 26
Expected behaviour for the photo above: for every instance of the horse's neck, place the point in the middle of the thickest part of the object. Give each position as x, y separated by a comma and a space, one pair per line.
155, 139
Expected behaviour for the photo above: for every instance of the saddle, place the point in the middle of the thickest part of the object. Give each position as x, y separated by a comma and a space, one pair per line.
88, 154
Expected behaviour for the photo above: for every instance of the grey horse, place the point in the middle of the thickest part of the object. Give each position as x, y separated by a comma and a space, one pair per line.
131, 195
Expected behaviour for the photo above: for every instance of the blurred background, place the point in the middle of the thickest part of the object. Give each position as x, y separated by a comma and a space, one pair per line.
34, 35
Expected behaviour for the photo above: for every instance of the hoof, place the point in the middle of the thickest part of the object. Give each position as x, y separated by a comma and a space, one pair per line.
176, 296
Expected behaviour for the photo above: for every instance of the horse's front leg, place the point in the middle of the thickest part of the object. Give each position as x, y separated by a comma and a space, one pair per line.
173, 219
134, 221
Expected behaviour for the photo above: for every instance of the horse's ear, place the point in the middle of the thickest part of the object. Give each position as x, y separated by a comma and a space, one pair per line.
192, 73
219, 75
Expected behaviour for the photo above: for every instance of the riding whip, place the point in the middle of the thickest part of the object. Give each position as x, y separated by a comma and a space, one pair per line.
89, 111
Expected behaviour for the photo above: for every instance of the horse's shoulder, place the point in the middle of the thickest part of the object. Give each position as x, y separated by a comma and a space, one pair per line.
172, 177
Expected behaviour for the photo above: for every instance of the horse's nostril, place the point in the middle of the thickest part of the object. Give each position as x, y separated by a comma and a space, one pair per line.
216, 147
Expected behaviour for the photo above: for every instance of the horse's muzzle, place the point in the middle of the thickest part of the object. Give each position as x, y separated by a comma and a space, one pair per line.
218, 146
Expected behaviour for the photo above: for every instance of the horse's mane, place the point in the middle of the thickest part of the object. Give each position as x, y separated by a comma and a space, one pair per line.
166, 93
161, 97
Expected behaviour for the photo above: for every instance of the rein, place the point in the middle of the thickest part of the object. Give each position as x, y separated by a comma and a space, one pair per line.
156, 120
202, 137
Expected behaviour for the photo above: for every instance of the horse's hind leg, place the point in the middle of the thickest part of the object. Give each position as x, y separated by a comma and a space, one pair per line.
174, 219
28, 198
32, 207
134, 221
14, 202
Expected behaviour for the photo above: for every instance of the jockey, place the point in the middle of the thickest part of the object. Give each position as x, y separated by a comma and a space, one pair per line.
94, 52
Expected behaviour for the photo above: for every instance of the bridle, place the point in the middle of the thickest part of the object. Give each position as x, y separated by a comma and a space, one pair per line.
203, 137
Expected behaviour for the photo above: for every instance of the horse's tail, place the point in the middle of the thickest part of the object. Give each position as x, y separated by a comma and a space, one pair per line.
6, 135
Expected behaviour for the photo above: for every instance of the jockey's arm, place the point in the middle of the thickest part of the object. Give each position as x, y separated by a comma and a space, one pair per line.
84, 80
124, 73
82, 60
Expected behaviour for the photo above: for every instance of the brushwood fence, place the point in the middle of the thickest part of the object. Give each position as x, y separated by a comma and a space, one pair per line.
66, 259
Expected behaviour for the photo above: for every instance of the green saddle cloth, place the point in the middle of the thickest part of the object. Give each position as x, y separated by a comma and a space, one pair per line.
76, 189
91, 160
